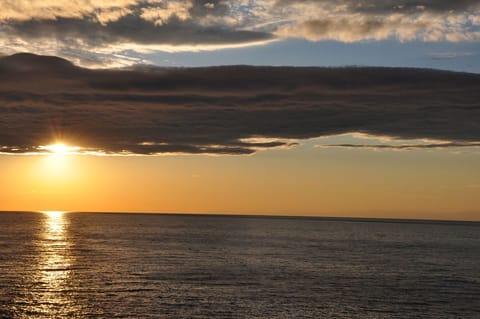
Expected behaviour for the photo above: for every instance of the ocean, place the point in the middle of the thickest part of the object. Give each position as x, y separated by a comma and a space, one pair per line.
92, 265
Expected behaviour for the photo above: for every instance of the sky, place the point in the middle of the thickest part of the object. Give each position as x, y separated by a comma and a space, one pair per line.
318, 108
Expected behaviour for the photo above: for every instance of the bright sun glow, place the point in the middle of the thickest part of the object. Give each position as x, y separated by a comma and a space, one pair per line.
60, 148
58, 163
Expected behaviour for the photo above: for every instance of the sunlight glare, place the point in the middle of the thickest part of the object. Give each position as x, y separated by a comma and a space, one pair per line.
55, 222
60, 148
54, 214
57, 161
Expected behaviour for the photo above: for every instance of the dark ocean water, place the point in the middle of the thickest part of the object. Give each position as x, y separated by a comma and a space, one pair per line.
80, 265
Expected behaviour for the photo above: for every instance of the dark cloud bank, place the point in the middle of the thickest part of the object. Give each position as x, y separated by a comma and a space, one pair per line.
213, 110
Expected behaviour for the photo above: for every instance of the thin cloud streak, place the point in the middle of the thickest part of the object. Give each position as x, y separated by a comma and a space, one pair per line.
401, 147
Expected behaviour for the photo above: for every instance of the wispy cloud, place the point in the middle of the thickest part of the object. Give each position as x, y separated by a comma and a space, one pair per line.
359, 140
227, 110
450, 55
402, 146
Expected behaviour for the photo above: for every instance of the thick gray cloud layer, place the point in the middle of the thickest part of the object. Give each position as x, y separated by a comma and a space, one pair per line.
78, 28
225, 110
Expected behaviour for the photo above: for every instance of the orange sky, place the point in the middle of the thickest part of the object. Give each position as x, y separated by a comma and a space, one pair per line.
305, 180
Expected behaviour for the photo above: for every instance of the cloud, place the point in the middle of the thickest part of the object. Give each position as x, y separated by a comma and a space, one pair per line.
405, 20
113, 27
388, 6
225, 110
450, 55
358, 28
359, 140
130, 30
403, 146
96, 28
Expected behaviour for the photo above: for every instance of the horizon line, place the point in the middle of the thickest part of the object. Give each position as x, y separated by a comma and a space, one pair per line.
262, 215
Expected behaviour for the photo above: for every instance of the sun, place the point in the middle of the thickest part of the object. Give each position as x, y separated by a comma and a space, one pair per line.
60, 148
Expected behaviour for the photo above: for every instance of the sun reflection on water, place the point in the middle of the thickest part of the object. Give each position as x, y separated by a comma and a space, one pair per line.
54, 267
55, 224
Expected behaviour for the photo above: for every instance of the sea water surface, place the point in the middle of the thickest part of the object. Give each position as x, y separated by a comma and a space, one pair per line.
85, 265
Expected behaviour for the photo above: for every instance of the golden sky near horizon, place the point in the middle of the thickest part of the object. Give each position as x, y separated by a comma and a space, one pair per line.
441, 183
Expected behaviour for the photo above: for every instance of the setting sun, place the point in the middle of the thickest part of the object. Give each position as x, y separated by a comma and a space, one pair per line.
60, 148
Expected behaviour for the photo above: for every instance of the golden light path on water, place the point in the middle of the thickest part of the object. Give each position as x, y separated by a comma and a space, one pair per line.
54, 268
